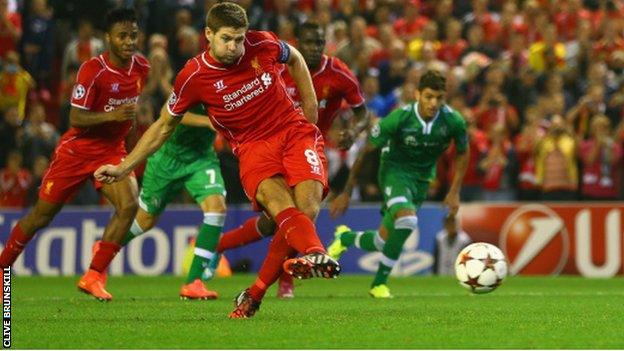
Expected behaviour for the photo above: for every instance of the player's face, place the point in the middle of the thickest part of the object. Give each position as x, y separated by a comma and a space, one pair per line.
430, 101
122, 39
227, 44
311, 46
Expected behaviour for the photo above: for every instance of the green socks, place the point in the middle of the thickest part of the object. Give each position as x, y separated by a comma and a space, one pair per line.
403, 228
205, 246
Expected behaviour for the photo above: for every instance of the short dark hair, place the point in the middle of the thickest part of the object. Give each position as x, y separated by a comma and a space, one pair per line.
308, 25
226, 14
433, 80
119, 15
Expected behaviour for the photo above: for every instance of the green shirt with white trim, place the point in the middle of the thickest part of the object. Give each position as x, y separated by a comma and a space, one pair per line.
412, 145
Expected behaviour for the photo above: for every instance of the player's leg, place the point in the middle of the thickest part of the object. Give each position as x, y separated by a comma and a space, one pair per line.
254, 229
37, 218
369, 240
123, 196
405, 223
207, 187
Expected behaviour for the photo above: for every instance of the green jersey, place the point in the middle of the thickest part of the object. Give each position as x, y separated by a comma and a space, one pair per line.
188, 144
412, 145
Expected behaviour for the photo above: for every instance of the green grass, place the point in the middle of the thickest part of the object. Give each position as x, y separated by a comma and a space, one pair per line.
564, 312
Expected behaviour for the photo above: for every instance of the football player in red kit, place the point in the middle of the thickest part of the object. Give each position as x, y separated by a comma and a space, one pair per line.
104, 102
333, 83
279, 148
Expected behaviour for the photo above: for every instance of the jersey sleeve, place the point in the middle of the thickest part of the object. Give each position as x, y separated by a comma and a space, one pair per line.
185, 93
86, 87
350, 85
460, 133
386, 128
277, 49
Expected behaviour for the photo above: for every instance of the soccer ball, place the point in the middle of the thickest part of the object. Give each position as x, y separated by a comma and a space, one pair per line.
480, 267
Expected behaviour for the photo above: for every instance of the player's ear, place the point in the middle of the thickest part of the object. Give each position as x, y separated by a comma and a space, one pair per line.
208, 33
416, 94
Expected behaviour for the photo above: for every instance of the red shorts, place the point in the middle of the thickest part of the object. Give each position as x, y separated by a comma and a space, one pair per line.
68, 171
296, 153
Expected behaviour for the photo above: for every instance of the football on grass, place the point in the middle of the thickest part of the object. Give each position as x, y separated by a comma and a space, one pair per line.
480, 267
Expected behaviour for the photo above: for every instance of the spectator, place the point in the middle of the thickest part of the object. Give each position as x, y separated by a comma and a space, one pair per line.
10, 133
392, 71
359, 43
40, 137
556, 162
15, 83
14, 182
589, 105
40, 166
549, 53
38, 45
411, 23
525, 143
81, 48
159, 81
448, 244
453, 46
429, 35
499, 166
601, 158
10, 29
377, 104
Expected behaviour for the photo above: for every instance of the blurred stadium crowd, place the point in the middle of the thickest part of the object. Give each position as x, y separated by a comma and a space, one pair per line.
540, 83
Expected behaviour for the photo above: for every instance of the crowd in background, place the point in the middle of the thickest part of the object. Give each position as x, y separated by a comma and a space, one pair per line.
539, 82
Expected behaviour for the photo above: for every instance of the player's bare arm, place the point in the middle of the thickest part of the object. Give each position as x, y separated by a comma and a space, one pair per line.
82, 118
340, 204
461, 165
352, 130
194, 120
301, 75
153, 138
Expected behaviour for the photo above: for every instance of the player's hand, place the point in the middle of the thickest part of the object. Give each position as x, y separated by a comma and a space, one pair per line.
452, 202
345, 140
125, 112
109, 174
339, 205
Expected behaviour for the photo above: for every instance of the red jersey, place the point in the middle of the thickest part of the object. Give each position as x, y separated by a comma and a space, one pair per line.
102, 87
7, 43
246, 101
14, 187
333, 82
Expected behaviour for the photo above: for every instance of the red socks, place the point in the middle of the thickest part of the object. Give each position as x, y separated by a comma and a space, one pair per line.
299, 231
296, 233
14, 246
104, 255
271, 269
243, 235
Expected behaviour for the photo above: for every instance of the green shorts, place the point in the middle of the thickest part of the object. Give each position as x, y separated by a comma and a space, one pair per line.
401, 191
165, 176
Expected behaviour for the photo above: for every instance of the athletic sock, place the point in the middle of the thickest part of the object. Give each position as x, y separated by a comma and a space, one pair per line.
299, 231
135, 230
271, 269
104, 256
205, 245
14, 246
243, 235
391, 252
369, 240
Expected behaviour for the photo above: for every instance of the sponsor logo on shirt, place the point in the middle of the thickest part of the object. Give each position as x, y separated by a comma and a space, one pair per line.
79, 92
113, 103
247, 92
219, 85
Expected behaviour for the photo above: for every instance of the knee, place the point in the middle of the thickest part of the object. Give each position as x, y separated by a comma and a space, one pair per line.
266, 226
311, 210
407, 222
127, 209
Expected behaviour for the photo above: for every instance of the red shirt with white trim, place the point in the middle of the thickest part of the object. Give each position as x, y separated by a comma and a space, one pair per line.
245, 101
333, 82
102, 87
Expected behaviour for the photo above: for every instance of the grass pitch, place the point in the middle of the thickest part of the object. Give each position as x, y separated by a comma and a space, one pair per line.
427, 312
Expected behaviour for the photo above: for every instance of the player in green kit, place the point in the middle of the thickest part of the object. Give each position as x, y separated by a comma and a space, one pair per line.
411, 138
187, 160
